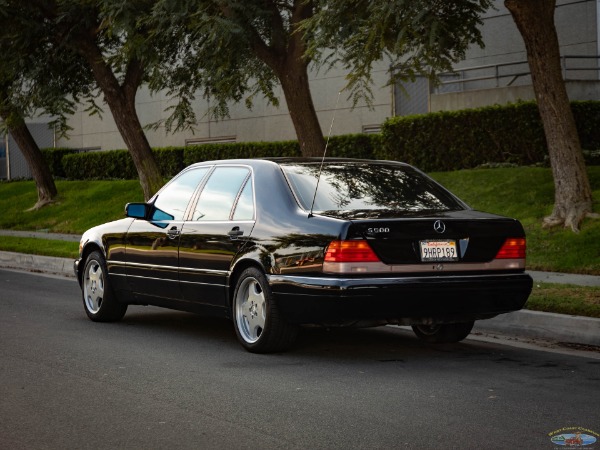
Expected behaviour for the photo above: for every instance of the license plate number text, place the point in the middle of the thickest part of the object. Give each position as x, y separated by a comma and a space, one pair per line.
438, 250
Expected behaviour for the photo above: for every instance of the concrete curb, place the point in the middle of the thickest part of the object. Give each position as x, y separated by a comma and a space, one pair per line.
565, 278
37, 263
525, 323
543, 325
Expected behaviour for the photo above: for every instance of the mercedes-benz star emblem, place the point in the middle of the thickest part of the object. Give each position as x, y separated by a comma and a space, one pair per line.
439, 226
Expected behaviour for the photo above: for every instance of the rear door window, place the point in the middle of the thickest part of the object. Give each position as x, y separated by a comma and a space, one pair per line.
244, 209
220, 194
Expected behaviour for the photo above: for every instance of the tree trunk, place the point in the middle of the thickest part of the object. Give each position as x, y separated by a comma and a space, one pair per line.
573, 195
40, 171
296, 89
286, 57
121, 101
130, 128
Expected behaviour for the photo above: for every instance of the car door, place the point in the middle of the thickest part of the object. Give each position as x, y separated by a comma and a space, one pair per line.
221, 222
152, 245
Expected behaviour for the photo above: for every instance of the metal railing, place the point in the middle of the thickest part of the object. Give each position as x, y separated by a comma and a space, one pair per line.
574, 68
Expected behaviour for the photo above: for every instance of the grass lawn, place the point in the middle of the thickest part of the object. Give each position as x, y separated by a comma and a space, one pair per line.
45, 247
80, 205
565, 299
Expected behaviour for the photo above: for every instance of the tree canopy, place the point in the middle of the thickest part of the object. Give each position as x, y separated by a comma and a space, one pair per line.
415, 37
234, 50
230, 51
38, 76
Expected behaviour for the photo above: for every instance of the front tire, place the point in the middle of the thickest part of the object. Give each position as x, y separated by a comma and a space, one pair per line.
259, 326
443, 332
99, 300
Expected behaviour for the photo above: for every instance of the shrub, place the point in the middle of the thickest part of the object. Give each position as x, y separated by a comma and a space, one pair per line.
97, 165
452, 140
496, 135
209, 152
170, 160
118, 164
360, 146
54, 156
587, 119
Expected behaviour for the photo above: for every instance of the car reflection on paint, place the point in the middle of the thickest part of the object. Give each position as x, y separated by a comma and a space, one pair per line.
377, 243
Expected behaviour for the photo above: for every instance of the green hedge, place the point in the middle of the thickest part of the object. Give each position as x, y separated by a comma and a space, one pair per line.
99, 165
587, 118
118, 164
54, 156
170, 160
508, 134
348, 146
360, 146
454, 140
209, 152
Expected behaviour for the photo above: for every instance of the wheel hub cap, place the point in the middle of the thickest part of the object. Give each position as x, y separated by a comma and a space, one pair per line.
250, 310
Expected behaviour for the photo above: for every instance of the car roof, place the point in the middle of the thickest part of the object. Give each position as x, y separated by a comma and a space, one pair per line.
280, 160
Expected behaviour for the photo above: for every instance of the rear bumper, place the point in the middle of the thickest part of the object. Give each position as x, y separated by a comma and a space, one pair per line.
400, 300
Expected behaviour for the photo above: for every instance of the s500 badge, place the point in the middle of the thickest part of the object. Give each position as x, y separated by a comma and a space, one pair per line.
377, 230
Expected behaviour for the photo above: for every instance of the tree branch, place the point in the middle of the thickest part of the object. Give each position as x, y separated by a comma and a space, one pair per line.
103, 73
301, 11
266, 54
134, 76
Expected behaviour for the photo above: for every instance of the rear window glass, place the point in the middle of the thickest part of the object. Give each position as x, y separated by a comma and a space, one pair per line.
364, 186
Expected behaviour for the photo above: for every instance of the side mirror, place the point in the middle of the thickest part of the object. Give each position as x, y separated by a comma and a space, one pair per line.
136, 210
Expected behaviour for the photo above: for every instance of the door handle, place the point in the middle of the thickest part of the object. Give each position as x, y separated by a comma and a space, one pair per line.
173, 233
235, 233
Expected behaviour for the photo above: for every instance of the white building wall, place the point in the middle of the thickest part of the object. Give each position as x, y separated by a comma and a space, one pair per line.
576, 24
262, 123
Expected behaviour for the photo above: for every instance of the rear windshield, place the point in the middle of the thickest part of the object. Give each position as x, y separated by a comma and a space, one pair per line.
367, 186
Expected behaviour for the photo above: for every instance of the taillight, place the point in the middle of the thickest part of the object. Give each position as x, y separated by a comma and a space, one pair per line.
350, 251
513, 248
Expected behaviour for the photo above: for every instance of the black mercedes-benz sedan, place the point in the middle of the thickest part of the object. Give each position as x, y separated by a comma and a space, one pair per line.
277, 243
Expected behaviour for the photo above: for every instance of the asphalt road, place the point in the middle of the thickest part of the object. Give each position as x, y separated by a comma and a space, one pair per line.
164, 379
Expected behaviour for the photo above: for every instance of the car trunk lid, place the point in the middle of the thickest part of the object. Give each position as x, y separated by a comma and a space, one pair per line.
460, 236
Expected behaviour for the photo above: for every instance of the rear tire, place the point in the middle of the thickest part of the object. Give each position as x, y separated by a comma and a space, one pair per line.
99, 300
259, 326
443, 332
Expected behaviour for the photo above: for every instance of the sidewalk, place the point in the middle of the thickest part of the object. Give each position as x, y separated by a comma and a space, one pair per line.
525, 324
41, 235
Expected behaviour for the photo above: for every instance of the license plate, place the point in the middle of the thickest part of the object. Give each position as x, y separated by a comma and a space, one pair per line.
438, 250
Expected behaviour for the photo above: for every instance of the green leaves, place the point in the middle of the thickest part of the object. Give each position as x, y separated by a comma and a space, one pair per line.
221, 51
416, 37
39, 75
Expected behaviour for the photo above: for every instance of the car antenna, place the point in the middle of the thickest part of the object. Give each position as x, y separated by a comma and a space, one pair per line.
312, 205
